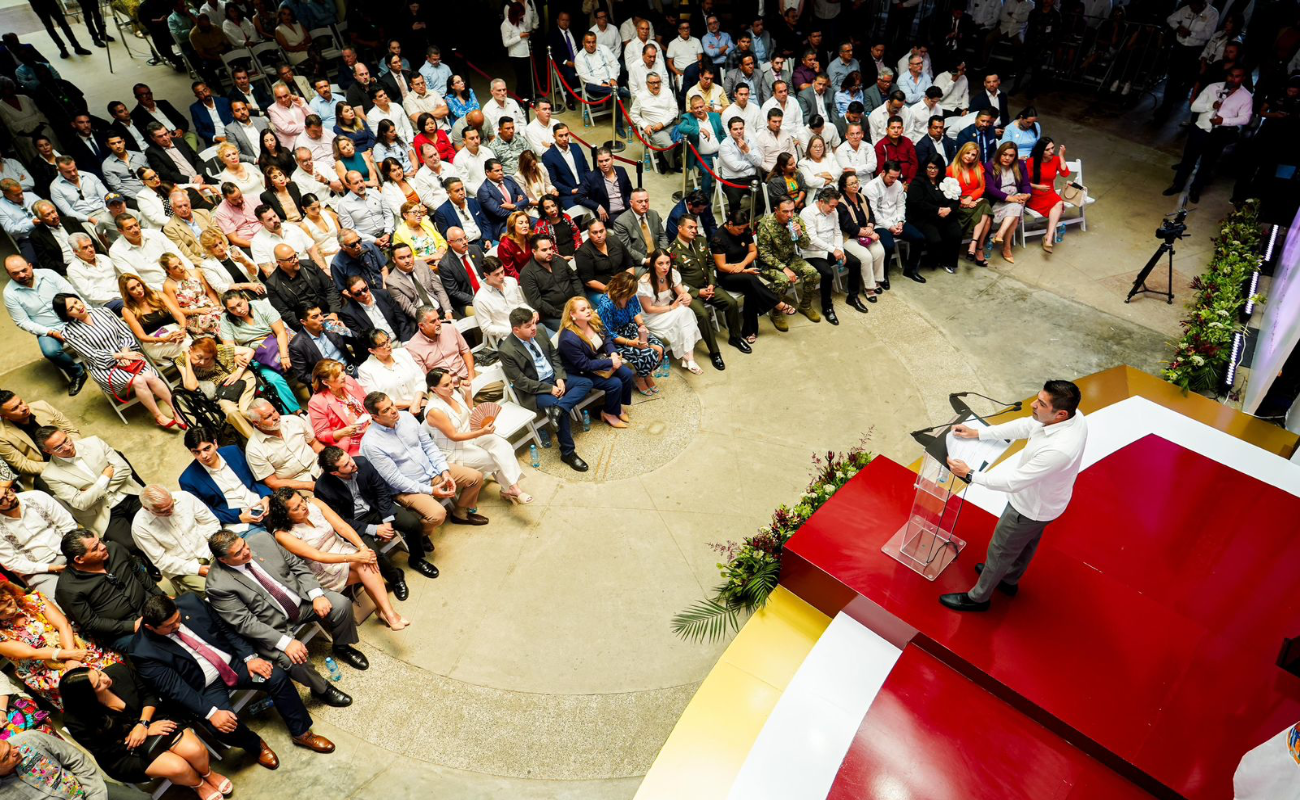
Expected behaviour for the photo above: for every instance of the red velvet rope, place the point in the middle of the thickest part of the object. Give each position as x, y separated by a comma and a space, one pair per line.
470, 64
704, 165
577, 96
632, 124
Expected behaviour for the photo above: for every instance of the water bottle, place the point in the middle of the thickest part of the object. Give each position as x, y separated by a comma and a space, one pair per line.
988, 249
1060, 231
533, 458
544, 434
662, 370
586, 420
335, 673
258, 706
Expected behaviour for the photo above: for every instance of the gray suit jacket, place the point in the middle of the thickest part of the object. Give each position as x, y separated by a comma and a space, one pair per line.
247, 607
248, 151
808, 102
522, 372
401, 286
82, 494
628, 232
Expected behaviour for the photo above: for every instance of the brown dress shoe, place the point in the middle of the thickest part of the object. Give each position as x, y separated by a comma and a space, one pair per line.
313, 741
267, 757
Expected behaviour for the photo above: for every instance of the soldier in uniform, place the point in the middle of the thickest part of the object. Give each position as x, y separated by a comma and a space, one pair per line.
694, 262
780, 235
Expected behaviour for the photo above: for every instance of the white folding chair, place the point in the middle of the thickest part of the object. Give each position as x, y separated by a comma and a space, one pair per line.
514, 419
589, 113
467, 324
181, 44
327, 41
269, 56
243, 57
1080, 219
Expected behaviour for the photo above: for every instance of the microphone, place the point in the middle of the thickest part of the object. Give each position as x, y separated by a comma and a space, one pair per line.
1015, 405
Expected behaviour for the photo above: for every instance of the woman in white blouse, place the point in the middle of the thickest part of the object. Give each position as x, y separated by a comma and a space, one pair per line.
535, 179
239, 29
245, 176
228, 268
152, 203
667, 306
447, 418
393, 372
321, 224
292, 37
819, 166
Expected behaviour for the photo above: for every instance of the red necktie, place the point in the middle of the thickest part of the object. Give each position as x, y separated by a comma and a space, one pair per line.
469, 270
227, 674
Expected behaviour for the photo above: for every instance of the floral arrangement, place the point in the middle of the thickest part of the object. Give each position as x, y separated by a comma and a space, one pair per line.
753, 566
1201, 355
950, 187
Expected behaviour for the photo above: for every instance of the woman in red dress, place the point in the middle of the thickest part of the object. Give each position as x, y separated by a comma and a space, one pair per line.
514, 251
1044, 164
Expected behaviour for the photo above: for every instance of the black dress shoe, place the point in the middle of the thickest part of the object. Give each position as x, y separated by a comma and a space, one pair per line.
468, 519
741, 345
718, 363
829, 314
98, 43
400, 590
1171, 191
108, 38
914, 276
574, 461
333, 697
78, 381
425, 568
884, 284
1009, 589
351, 656
871, 298
553, 414
81, 51
962, 602
856, 302
950, 270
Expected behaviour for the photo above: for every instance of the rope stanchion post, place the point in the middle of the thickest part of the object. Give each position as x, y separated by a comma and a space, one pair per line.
614, 143
684, 159
753, 196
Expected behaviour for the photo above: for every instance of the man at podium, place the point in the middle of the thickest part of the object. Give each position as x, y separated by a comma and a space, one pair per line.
1038, 489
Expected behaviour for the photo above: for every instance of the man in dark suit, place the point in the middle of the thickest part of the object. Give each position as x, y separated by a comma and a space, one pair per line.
461, 280
538, 378
147, 110
818, 97
981, 133
593, 193
313, 342
547, 281
361, 300
461, 210
631, 226
175, 640
248, 92
565, 44
357, 493
565, 176
992, 97
499, 196
85, 143
158, 154
248, 141
202, 109
122, 125
212, 469
48, 252
267, 595
953, 38
935, 142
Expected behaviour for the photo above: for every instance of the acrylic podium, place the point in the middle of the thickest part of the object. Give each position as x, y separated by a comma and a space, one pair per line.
925, 544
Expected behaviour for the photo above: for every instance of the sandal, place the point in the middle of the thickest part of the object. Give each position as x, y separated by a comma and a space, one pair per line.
173, 423
210, 793
521, 498
753, 337
222, 785
692, 366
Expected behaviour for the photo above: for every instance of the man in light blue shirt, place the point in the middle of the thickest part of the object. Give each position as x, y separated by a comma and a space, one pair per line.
79, 196
324, 103
29, 298
17, 216
717, 43
436, 74
840, 68
409, 461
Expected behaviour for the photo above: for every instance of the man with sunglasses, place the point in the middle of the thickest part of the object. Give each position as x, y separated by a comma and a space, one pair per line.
367, 308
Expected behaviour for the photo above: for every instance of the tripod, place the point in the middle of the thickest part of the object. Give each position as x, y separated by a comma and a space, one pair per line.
1139, 283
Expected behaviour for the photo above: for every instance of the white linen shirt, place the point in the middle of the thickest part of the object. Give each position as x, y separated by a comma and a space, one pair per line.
403, 382
862, 161
492, 308
142, 260
176, 543
597, 67
1200, 27
824, 233
30, 544
1041, 484
888, 203
97, 284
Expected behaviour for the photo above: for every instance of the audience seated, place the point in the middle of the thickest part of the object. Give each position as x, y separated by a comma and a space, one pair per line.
1046, 162
935, 215
567, 166
93, 481
295, 283
607, 189
461, 269
639, 229
336, 410
19, 422
314, 341
887, 195
172, 530
666, 303
34, 524
463, 212
251, 325
498, 295
536, 373
694, 261
194, 658
221, 479
500, 197
413, 283
335, 554
548, 282
588, 351
282, 450
102, 590
367, 308
392, 369
735, 259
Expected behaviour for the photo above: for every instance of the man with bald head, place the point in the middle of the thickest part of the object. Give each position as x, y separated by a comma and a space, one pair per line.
172, 529
275, 233
29, 298
361, 92
288, 115
294, 284
365, 212
282, 450
186, 225
473, 121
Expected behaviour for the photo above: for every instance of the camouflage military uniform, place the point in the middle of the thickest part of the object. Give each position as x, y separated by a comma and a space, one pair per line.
694, 263
777, 251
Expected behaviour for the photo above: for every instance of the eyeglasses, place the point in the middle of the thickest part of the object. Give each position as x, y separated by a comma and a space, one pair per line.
362, 291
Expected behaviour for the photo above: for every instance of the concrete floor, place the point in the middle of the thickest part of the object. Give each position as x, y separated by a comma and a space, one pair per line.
541, 663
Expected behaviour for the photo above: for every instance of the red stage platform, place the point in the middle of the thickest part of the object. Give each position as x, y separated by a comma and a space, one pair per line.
1145, 632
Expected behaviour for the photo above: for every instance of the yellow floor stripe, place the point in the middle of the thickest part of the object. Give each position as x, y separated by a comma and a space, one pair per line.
708, 746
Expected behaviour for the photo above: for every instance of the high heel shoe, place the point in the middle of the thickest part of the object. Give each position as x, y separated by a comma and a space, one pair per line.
173, 423
400, 624
612, 421
220, 783
206, 792
1007, 257
1047, 246
522, 498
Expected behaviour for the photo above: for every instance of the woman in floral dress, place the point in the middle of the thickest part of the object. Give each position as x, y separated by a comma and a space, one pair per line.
190, 292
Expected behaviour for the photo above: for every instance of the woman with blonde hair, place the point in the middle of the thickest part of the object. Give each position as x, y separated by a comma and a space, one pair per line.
245, 176
336, 409
155, 322
447, 418
622, 316
191, 296
415, 229
974, 212
589, 351
1007, 182
514, 251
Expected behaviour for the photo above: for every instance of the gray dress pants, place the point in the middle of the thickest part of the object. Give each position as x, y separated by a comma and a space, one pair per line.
1014, 541
342, 629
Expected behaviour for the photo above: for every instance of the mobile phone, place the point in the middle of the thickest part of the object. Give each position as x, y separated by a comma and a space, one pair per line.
255, 511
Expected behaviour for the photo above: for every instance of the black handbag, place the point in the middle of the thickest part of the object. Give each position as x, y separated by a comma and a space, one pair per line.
230, 392
155, 746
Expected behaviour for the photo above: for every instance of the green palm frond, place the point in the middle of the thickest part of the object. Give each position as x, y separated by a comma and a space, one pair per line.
707, 620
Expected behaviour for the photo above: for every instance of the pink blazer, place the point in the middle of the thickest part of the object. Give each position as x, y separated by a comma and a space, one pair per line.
327, 414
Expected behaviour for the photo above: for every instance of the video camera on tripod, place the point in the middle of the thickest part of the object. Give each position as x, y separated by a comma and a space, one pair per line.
1170, 231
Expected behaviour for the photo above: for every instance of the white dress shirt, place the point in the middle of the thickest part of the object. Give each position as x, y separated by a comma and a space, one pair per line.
467, 223
1234, 108
597, 67
773, 145
176, 543
824, 234
398, 116
878, 121
539, 136
494, 111
492, 308
96, 282
792, 114
608, 39
862, 161
368, 215
637, 73
471, 166
749, 113
142, 260
1200, 27
916, 120
1041, 484
635, 50
264, 243
888, 203
733, 163
984, 13
403, 381
655, 109
29, 545
238, 496
322, 149
1015, 17
956, 92
428, 184
209, 670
